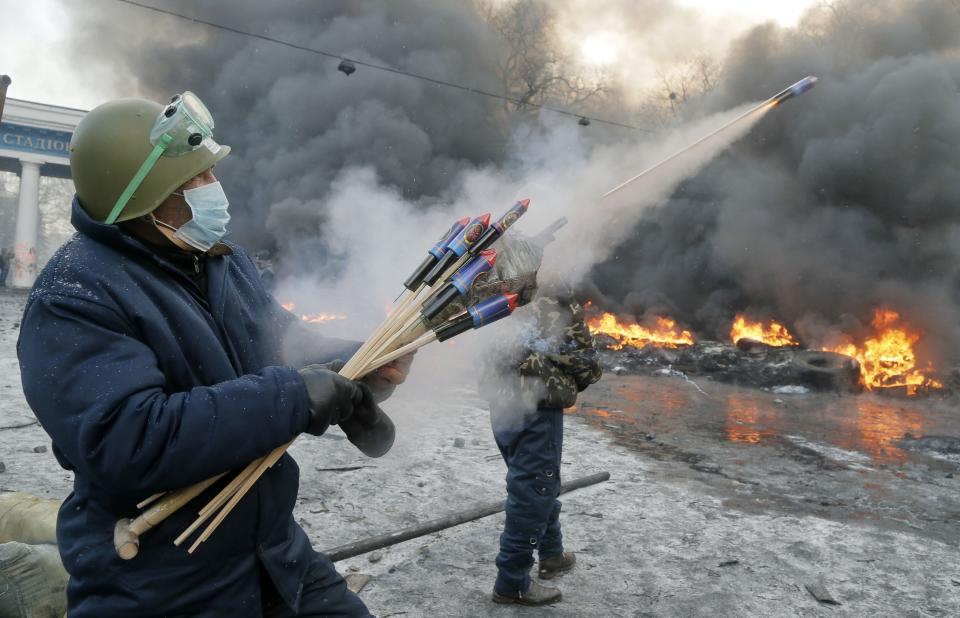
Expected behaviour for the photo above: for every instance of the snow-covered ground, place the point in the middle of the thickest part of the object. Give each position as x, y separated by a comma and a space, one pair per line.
704, 515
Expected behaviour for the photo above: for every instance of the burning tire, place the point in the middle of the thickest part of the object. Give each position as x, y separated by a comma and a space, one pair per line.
827, 370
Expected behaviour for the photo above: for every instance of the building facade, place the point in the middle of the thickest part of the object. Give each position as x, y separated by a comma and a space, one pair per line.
34, 142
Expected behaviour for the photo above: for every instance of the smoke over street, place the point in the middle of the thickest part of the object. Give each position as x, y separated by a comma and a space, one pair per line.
833, 206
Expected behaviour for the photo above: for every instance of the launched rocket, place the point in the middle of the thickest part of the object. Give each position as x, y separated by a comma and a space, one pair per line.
795, 90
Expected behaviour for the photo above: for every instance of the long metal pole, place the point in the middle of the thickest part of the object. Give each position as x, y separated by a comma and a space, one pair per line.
392, 538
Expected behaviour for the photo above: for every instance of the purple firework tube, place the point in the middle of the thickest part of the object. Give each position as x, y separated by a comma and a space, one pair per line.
463, 241
485, 312
443, 245
460, 283
468, 238
436, 252
463, 279
501, 225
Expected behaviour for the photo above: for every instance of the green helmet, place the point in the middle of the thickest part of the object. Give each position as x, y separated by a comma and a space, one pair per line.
119, 170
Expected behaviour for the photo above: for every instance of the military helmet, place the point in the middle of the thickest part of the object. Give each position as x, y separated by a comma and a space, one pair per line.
128, 155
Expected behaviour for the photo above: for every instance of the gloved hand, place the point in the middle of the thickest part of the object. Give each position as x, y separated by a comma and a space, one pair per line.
333, 398
369, 428
336, 400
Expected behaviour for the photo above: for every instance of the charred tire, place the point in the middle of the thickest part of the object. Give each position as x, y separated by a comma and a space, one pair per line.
827, 371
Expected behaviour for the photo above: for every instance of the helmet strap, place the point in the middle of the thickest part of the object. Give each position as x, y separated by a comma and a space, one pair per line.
137, 179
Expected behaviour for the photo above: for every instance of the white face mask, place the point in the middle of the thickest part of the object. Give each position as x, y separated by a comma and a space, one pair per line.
209, 217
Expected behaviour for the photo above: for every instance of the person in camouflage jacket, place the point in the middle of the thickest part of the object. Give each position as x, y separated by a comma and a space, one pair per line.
562, 360
540, 365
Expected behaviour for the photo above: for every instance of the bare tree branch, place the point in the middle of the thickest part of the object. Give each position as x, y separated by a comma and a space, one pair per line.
532, 69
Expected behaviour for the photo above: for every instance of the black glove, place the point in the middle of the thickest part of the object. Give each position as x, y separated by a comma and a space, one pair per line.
369, 428
336, 400
381, 389
333, 398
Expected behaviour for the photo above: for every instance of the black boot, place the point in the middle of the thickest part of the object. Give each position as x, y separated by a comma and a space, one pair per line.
534, 595
557, 565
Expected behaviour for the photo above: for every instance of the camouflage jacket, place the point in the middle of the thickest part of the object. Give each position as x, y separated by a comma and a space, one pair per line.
558, 359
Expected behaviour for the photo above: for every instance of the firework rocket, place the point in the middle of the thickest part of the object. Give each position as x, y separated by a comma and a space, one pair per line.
434, 254
795, 90
465, 240
460, 283
485, 312
501, 225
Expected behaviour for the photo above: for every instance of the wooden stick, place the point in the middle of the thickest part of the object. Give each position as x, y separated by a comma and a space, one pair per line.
408, 316
404, 312
230, 488
153, 498
126, 533
265, 463
371, 345
428, 337
225, 494
409, 326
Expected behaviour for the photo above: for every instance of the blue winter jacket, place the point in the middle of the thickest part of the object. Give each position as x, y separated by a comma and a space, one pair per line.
145, 384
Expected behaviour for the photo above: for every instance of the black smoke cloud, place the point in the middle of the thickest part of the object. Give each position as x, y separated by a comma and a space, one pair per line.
294, 121
840, 201
843, 200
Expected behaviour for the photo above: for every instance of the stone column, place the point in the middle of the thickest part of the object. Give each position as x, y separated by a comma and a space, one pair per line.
24, 269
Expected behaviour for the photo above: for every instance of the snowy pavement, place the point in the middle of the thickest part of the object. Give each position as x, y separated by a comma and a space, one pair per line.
713, 509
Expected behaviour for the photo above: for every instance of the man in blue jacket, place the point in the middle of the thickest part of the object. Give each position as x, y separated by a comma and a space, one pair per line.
154, 358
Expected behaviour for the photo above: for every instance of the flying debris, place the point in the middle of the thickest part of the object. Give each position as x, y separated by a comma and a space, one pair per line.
795, 90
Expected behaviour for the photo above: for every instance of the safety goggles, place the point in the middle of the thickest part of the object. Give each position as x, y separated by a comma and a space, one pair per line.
181, 128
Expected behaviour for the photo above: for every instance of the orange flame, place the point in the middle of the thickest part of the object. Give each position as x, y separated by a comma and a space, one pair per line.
314, 318
664, 334
771, 333
887, 359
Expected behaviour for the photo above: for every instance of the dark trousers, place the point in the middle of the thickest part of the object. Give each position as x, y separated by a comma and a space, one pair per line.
324, 593
531, 446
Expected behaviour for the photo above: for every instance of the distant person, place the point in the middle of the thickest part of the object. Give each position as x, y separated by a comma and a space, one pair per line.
549, 359
154, 358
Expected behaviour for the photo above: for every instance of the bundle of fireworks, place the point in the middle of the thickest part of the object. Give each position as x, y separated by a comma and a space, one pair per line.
422, 316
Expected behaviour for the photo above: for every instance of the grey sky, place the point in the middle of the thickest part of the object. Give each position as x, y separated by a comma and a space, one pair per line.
36, 52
